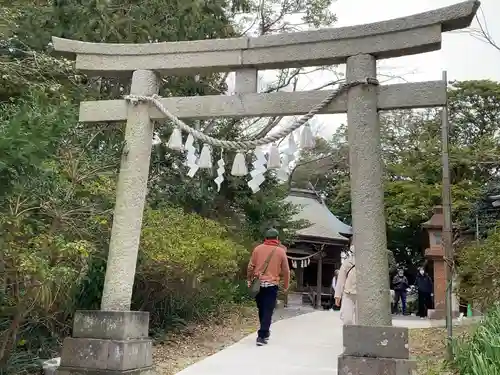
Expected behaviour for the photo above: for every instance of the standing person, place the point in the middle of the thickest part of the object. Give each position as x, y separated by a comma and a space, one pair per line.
400, 283
424, 286
392, 296
345, 289
334, 279
334, 284
268, 263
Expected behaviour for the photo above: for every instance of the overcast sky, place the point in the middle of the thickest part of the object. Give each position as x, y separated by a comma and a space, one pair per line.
462, 56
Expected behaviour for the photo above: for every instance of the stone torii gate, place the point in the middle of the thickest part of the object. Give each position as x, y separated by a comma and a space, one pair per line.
115, 340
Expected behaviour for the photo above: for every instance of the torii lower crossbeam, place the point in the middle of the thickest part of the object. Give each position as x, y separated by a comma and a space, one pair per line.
396, 96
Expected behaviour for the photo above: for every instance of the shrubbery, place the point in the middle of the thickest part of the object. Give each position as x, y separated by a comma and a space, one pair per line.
186, 272
186, 268
56, 203
41, 271
479, 353
479, 271
479, 275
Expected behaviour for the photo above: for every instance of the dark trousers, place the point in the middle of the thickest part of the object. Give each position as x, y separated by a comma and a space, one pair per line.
400, 295
424, 303
266, 302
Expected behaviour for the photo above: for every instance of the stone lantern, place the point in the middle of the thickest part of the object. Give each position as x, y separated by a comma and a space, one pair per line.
435, 253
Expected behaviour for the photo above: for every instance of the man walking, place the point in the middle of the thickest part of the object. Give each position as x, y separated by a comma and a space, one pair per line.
400, 283
268, 263
423, 283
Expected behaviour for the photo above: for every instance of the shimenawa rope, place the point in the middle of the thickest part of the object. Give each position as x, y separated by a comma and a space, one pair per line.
239, 168
246, 145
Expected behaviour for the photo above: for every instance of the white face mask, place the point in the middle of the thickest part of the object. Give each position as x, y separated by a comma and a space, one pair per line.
421, 272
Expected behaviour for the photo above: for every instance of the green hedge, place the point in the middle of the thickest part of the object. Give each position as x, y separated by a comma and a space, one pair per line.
479, 353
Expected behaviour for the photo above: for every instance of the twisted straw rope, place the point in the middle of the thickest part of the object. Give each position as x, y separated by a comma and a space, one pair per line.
303, 258
250, 144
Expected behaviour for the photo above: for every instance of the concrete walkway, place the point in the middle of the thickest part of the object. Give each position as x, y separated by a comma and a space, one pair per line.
304, 345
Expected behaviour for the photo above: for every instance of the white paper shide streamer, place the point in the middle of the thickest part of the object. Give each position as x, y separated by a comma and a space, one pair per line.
292, 146
307, 140
175, 140
257, 173
220, 171
239, 168
275, 160
205, 159
303, 262
284, 171
191, 156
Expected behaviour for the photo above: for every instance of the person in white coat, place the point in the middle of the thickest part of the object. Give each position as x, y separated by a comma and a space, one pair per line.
332, 296
334, 279
345, 290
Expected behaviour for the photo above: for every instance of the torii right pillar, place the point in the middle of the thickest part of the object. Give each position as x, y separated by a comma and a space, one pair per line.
373, 346
435, 254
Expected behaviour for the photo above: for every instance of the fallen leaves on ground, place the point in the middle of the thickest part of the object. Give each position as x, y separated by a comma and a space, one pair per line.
179, 350
428, 346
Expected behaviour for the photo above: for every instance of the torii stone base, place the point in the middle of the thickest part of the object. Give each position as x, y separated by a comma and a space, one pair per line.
108, 343
375, 351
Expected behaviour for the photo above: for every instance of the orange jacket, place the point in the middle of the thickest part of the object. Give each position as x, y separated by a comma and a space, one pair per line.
278, 264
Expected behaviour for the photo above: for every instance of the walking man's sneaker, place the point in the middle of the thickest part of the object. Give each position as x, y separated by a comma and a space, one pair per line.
261, 341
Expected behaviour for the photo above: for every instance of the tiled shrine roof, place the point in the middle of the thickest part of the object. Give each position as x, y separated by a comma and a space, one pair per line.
324, 224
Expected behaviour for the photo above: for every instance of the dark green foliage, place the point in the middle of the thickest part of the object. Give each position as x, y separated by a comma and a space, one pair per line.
483, 211
479, 271
478, 353
58, 177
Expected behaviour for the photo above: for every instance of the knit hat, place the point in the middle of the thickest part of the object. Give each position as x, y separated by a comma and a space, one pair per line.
271, 233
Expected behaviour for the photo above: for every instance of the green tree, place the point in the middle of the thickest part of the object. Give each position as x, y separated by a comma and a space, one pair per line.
479, 271
412, 156
58, 176
483, 217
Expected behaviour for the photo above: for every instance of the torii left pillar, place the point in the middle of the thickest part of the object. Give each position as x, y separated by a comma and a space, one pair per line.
115, 340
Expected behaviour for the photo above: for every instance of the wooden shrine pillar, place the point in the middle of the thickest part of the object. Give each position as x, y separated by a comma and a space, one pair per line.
319, 283
299, 276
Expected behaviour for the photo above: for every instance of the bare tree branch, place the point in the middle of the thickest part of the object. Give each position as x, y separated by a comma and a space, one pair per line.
482, 32
315, 160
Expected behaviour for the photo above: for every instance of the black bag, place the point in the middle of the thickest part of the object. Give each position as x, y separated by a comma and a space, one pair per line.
347, 274
255, 284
